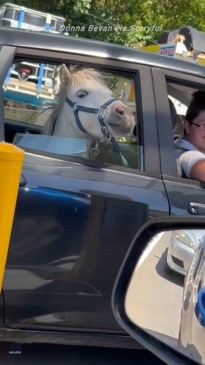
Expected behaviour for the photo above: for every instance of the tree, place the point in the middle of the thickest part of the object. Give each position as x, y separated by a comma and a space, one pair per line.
137, 21
134, 21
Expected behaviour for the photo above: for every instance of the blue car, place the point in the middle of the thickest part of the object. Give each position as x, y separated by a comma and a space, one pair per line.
192, 326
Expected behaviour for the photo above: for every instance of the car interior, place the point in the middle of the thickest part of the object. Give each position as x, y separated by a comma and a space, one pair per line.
20, 121
179, 97
14, 124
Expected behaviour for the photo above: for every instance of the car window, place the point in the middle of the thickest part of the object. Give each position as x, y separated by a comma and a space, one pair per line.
74, 110
179, 96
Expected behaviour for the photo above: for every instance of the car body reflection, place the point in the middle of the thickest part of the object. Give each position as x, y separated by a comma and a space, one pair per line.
192, 328
181, 250
170, 307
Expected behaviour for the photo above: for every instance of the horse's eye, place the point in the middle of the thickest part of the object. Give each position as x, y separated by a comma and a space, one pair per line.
82, 94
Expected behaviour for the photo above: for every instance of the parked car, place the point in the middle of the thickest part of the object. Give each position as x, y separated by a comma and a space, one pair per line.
81, 201
192, 327
181, 249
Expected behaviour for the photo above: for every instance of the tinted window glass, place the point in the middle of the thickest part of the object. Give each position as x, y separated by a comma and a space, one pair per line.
34, 20
106, 128
8, 13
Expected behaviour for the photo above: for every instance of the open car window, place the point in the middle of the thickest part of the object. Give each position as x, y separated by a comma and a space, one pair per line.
40, 115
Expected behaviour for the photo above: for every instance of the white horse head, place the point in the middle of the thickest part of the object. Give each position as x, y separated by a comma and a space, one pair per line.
87, 108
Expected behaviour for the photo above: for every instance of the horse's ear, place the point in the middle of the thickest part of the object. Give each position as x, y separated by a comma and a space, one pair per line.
65, 75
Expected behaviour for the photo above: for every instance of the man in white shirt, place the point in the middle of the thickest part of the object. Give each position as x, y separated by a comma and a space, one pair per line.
190, 150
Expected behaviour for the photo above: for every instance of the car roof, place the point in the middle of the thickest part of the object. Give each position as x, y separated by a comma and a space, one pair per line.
77, 45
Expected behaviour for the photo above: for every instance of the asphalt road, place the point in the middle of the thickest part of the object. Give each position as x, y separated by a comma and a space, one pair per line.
154, 298
67, 355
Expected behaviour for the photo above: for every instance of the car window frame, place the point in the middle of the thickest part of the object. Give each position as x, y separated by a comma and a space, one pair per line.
6, 55
160, 77
148, 130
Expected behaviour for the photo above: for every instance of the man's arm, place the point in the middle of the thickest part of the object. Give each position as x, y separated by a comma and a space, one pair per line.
197, 171
193, 164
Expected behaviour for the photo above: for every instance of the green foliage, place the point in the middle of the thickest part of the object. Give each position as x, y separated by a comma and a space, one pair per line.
111, 82
131, 22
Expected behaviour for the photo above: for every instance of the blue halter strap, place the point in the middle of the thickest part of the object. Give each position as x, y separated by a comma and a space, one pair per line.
101, 115
99, 111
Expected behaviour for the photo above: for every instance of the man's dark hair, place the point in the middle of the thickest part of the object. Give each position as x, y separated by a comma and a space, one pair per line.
196, 106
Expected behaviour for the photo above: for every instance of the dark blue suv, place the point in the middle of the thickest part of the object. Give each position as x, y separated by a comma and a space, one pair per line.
77, 212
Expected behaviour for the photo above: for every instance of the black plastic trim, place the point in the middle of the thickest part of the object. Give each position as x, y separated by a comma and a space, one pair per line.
6, 56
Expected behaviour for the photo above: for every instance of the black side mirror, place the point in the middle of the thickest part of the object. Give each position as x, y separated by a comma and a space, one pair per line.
159, 294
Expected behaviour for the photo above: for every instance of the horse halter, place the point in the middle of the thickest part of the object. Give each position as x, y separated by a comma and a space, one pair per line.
101, 115
99, 111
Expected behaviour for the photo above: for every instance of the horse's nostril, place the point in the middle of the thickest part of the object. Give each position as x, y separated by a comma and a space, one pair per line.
120, 111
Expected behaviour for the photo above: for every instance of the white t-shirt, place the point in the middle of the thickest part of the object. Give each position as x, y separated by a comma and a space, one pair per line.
188, 158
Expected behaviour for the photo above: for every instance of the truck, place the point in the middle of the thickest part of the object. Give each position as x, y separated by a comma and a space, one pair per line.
29, 83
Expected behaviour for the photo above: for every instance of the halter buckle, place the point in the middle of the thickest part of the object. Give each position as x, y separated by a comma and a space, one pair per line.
106, 133
94, 151
101, 113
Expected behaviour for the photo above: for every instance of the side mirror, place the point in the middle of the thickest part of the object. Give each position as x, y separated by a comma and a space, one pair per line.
159, 294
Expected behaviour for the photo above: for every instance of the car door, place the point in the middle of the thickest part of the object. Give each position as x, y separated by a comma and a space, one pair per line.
6, 54
186, 196
75, 219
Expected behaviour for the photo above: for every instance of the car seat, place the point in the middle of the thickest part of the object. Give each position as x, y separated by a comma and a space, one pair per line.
176, 122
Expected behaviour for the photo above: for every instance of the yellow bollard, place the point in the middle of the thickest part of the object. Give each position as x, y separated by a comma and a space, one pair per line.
11, 162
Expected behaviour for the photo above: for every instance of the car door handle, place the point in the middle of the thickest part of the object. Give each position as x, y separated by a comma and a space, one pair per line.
196, 208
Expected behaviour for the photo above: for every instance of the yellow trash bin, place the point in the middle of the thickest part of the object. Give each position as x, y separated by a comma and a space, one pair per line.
11, 162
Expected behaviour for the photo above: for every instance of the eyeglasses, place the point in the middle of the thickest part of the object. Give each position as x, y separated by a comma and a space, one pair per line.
201, 126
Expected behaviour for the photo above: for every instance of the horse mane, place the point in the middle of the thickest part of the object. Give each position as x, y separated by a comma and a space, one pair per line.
80, 75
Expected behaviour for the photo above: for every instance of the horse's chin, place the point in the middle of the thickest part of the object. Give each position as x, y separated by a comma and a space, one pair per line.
116, 130
119, 131
121, 126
